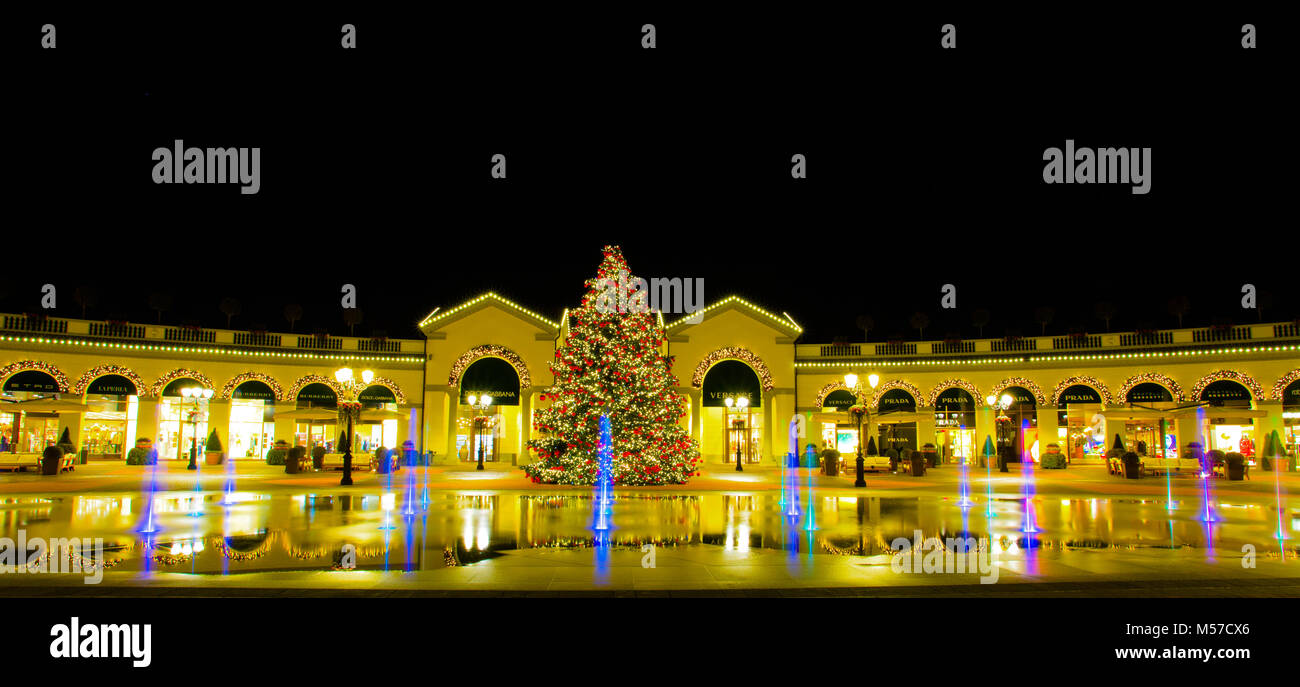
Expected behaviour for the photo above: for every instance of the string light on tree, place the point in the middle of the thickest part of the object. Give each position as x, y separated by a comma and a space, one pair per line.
610, 364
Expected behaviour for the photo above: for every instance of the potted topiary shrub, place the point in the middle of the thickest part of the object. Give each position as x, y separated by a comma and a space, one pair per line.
1053, 459
1213, 462
830, 462
212, 450
892, 454
277, 453
142, 454
65, 443
1114, 457
293, 459
917, 461
1132, 466
380, 459
50, 459
1234, 466
318, 457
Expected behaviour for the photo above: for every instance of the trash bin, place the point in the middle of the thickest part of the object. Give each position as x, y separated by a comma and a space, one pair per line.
1132, 466
831, 463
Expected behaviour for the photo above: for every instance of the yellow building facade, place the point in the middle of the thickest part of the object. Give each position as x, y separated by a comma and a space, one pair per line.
471, 386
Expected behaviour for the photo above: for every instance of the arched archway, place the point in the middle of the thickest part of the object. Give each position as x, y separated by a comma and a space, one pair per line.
1228, 419
733, 353
1148, 393
50, 379
112, 394
1075, 390
464, 361
492, 416
182, 422
234, 383
731, 392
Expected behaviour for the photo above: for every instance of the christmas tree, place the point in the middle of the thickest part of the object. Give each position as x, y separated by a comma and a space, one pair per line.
611, 364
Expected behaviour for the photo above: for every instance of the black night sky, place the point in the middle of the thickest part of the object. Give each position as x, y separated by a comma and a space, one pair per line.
924, 169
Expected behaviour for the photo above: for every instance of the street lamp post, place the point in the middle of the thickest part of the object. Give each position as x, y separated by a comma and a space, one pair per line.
195, 394
742, 403
859, 410
351, 409
480, 404
1000, 423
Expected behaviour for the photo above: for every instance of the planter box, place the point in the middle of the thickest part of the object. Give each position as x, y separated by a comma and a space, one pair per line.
212, 457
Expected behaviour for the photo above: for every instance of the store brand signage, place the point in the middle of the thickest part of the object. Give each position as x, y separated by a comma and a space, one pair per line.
500, 397
1079, 394
1100, 166
181, 165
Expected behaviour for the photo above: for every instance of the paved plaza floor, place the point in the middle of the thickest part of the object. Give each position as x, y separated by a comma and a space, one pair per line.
455, 530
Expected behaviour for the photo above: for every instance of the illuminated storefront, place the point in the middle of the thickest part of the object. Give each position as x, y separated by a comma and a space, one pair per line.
1023, 414
1291, 417
892, 434
108, 425
1081, 428
842, 434
733, 399
954, 424
1227, 428
252, 420
323, 430
29, 432
182, 421
488, 403
378, 420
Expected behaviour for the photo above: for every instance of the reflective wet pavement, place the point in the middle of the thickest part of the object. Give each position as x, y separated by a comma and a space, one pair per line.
409, 536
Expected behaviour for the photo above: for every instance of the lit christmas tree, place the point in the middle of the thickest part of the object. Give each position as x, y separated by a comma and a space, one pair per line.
611, 364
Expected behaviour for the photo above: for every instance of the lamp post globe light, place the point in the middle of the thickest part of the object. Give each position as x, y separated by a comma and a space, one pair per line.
194, 394
479, 404
1001, 424
350, 408
741, 403
859, 410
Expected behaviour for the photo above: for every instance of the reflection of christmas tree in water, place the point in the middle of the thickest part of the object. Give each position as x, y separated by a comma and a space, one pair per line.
611, 364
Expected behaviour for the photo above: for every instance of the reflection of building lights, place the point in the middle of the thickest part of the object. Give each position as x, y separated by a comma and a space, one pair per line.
176, 548
388, 501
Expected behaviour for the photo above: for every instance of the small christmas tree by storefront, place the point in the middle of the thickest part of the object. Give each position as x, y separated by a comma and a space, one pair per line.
611, 364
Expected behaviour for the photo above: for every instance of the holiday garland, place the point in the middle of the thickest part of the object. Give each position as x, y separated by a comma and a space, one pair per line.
826, 391
1174, 389
268, 380
1256, 391
38, 365
179, 373
1091, 382
733, 353
103, 370
947, 384
611, 364
1282, 383
292, 392
1023, 382
890, 386
491, 350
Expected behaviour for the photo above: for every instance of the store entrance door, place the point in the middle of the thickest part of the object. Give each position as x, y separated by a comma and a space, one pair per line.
740, 433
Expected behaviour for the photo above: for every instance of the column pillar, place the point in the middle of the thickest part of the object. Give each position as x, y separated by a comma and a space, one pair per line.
769, 433
219, 419
925, 428
1048, 425
146, 421
72, 423
985, 430
526, 426
1265, 426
